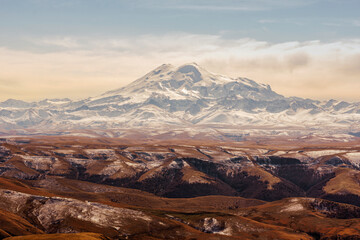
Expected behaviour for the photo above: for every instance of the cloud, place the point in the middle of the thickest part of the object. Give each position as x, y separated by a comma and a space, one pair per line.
264, 21
356, 23
216, 8
84, 67
297, 60
342, 22
226, 5
66, 42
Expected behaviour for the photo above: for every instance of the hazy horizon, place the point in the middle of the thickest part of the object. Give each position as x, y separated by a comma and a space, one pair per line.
78, 49
114, 88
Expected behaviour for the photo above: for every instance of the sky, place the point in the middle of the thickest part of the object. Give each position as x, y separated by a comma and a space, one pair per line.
82, 48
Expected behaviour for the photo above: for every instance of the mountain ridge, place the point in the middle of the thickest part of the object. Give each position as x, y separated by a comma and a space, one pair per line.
187, 95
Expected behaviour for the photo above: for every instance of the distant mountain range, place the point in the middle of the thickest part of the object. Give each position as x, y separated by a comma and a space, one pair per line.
185, 96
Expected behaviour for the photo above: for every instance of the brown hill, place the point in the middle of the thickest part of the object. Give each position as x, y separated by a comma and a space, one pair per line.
68, 236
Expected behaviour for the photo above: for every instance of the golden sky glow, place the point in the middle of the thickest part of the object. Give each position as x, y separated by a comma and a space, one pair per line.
83, 68
82, 48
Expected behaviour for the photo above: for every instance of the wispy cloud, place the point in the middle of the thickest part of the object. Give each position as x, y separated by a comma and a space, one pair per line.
227, 5
215, 8
86, 66
268, 21
356, 23
342, 22
65, 42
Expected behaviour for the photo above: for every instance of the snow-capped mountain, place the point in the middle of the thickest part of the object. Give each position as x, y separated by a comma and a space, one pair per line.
183, 96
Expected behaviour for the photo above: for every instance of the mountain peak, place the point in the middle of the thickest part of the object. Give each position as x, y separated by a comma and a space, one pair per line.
190, 82
182, 95
193, 70
192, 64
162, 68
185, 69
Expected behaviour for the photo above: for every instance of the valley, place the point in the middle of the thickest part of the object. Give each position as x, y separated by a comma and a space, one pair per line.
178, 190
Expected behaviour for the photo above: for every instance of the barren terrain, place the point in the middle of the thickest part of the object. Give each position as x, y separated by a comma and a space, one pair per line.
112, 188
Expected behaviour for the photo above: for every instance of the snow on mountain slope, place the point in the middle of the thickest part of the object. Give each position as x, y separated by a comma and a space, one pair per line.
183, 96
192, 82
